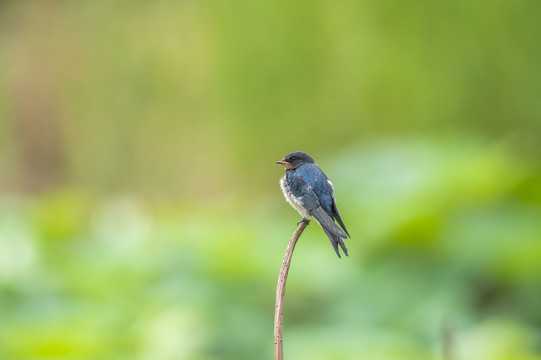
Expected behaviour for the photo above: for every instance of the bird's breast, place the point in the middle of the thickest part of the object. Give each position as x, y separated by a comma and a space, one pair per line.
295, 201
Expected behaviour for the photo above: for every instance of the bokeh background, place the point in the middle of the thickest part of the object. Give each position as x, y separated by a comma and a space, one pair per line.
140, 212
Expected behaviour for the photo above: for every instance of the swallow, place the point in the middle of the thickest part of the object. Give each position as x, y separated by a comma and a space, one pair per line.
308, 190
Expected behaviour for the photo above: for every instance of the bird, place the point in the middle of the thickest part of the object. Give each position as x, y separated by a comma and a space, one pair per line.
308, 190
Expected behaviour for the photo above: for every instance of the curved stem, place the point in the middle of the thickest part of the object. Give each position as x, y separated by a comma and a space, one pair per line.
280, 291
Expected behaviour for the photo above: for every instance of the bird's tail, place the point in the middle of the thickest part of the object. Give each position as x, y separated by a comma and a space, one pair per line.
334, 233
335, 241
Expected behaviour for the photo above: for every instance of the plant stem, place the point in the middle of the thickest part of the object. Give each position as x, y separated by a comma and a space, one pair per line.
280, 291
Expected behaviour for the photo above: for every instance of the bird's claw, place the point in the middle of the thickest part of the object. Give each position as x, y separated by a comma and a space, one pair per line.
303, 220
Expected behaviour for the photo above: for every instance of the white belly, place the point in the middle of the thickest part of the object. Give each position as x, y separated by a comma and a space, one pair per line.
293, 201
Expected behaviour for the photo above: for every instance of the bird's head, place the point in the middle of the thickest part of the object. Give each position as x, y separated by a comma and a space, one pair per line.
295, 159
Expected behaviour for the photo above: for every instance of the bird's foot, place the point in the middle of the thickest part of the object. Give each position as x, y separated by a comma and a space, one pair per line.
303, 220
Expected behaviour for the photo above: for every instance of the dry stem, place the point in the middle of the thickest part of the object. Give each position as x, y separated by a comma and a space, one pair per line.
280, 291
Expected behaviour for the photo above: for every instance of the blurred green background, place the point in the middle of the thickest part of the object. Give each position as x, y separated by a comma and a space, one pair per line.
140, 212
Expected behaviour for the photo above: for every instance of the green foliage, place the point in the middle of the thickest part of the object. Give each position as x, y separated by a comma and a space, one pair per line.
434, 241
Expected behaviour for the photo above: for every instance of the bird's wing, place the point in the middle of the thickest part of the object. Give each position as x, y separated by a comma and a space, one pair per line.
326, 222
337, 216
311, 203
302, 191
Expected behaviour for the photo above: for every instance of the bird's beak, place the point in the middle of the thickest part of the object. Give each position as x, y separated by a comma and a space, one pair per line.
280, 162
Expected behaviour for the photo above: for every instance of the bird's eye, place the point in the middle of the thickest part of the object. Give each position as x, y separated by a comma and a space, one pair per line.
293, 158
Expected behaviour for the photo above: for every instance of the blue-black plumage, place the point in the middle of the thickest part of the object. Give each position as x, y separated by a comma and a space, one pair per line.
309, 191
